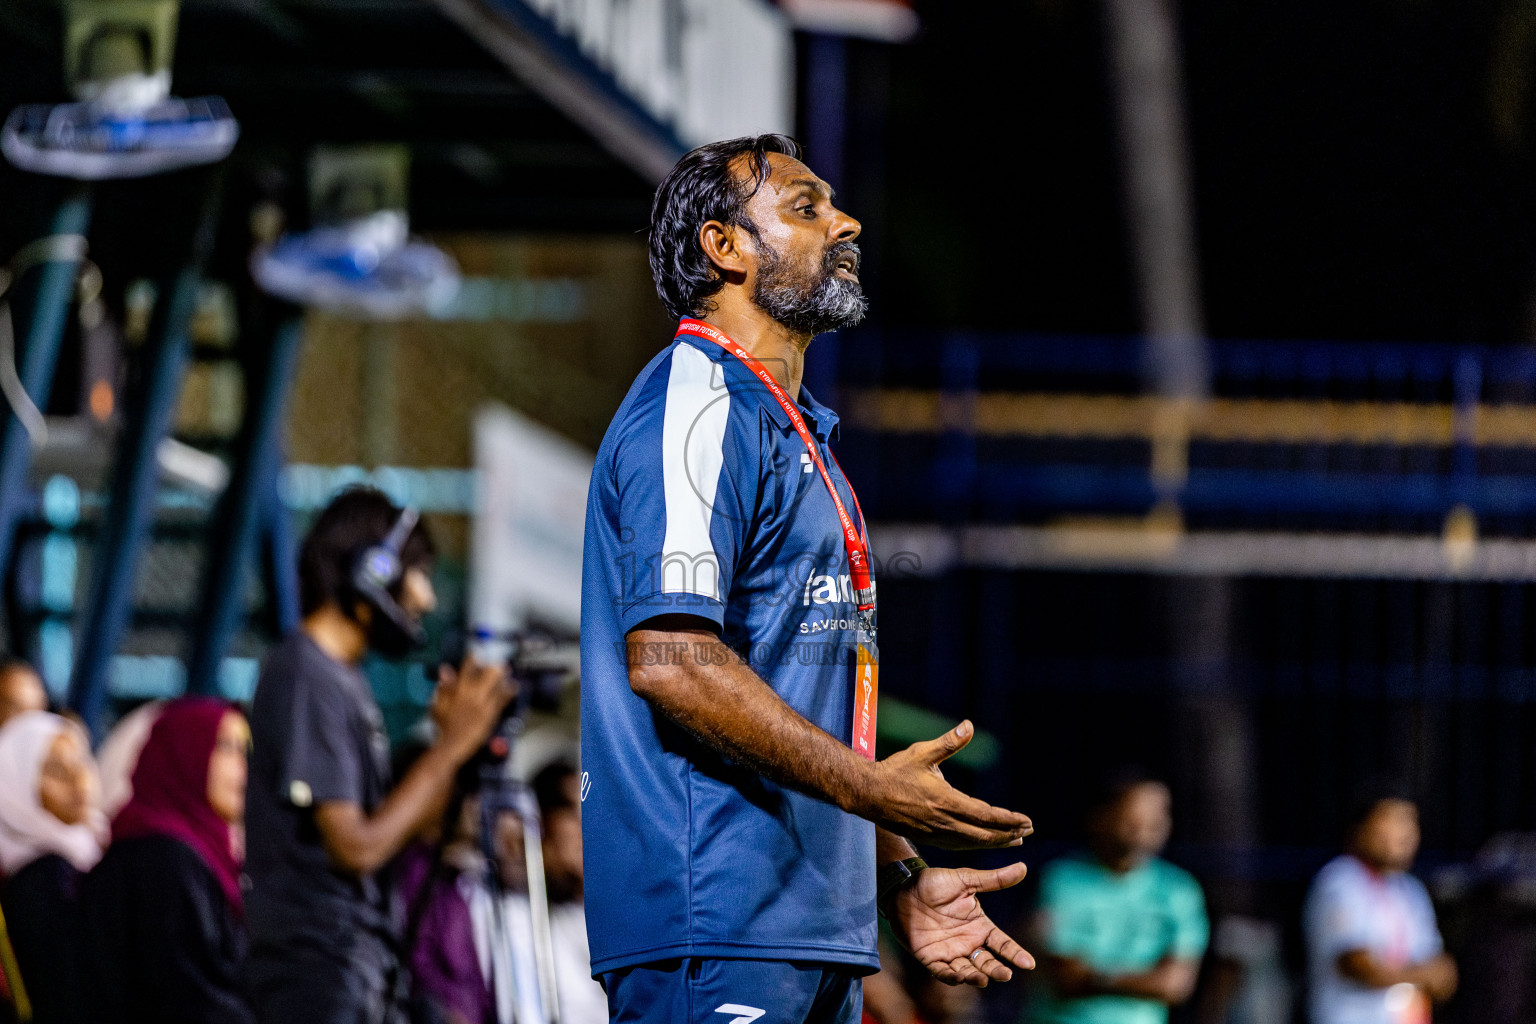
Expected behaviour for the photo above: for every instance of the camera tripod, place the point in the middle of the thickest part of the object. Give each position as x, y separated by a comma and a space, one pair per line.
522, 992
500, 793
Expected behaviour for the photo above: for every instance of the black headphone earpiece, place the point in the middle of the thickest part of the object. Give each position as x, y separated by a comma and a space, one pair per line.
378, 570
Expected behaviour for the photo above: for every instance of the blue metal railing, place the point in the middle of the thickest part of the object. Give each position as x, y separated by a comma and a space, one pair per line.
1325, 483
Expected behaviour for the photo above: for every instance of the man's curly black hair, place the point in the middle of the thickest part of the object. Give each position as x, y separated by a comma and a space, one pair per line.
701, 188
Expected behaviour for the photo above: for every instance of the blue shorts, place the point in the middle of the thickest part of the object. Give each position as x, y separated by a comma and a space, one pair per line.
700, 991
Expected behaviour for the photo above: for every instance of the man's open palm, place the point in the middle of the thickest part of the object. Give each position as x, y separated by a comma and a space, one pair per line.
939, 918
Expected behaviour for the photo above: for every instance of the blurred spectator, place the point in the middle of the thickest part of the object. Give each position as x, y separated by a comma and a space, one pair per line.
1488, 916
163, 913
324, 822
50, 832
1245, 980
435, 879
503, 935
1374, 951
471, 964
503, 939
1121, 932
447, 983
903, 992
558, 790
885, 994
118, 754
21, 689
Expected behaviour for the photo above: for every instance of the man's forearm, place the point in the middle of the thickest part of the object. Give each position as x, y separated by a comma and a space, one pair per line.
690, 677
891, 847
1362, 967
362, 843
703, 686
1436, 976
1170, 982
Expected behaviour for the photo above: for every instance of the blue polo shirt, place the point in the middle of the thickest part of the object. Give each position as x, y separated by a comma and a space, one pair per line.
705, 502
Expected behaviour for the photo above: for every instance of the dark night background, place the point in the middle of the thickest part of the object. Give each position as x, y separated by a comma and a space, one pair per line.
1362, 173
1362, 170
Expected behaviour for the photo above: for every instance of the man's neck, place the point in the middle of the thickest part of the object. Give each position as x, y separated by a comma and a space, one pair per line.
1116, 861
779, 349
1375, 867
337, 635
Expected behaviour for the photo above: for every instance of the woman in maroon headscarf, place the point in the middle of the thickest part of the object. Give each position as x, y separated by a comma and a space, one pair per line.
163, 914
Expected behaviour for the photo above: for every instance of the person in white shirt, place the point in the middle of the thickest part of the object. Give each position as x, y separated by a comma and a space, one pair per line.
503, 940
1375, 955
558, 789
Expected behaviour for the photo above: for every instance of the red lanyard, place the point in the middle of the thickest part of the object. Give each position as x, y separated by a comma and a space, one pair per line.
857, 543
1391, 907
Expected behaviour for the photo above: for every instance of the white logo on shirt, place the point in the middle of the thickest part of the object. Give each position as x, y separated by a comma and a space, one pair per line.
805, 462
831, 588
586, 785
748, 1013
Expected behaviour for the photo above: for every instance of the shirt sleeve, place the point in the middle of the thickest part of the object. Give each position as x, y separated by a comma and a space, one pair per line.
1191, 927
1334, 920
1426, 940
685, 475
320, 761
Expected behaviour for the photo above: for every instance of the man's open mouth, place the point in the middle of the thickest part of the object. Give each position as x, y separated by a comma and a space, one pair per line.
848, 264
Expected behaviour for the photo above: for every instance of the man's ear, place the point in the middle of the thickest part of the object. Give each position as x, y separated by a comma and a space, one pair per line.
722, 245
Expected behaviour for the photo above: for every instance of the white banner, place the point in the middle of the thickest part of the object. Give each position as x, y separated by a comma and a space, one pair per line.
531, 511
708, 69
889, 21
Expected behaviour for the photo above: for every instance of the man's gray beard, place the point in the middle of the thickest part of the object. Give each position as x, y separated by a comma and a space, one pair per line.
832, 302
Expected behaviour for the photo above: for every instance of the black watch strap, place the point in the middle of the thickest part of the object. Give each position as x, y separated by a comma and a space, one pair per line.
895, 876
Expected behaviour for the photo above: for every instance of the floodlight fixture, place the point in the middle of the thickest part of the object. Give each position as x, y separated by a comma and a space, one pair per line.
360, 259
124, 122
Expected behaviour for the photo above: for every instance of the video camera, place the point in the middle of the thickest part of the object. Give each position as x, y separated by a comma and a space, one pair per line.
539, 664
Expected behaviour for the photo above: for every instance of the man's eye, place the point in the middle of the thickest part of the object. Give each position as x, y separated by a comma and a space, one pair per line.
808, 210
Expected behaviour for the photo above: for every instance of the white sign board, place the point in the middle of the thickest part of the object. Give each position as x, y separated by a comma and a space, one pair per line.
531, 509
709, 69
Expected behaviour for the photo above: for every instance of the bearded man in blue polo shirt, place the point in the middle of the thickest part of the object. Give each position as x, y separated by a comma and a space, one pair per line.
739, 836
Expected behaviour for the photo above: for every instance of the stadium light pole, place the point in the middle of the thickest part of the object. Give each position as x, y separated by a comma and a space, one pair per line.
1216, 728
46, 292
149, 414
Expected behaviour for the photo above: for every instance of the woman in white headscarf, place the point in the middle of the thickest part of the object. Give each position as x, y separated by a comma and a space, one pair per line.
51, 832
118, 754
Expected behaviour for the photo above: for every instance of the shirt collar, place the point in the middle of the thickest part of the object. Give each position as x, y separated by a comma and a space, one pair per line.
821, 421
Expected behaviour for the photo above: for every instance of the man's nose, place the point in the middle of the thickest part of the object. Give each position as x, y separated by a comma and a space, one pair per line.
845, 228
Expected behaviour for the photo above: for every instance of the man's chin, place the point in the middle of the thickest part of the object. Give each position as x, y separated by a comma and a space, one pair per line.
851, 317
823, 325
838, 302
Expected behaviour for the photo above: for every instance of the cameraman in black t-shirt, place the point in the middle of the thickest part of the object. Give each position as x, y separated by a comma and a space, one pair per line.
322, 818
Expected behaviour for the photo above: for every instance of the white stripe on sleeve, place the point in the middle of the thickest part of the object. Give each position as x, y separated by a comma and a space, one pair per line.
692, 452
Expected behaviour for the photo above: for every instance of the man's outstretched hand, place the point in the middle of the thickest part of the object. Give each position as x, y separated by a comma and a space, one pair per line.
910, 797
939, 918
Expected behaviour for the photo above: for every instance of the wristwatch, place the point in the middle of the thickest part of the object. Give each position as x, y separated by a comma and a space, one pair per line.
894, 877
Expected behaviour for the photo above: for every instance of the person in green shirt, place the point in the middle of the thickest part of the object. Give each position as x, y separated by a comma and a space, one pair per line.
1122, 931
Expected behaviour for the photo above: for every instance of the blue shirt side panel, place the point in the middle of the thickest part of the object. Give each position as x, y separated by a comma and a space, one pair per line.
687, 853
633, 800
